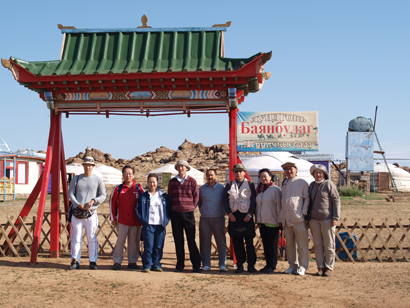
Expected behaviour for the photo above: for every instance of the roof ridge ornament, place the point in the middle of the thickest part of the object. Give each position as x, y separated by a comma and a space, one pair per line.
144, 20
61, 27
225, 25
6, 63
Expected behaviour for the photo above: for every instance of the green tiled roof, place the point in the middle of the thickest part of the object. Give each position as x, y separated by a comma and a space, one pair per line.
147, 51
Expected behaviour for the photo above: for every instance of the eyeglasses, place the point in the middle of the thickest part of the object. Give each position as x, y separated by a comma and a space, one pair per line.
237, 171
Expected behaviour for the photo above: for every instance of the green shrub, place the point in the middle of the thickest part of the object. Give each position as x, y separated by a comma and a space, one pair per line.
350, 191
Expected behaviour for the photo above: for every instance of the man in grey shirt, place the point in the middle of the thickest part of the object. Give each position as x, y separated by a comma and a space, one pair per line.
86, 192
212, 220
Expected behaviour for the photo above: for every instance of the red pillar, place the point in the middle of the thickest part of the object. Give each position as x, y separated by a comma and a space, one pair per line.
55, 190
232, 158
64, 174
43, 194
232, 142
64, 180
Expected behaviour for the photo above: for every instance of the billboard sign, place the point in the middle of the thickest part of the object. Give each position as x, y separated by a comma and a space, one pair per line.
277, 131
359, 151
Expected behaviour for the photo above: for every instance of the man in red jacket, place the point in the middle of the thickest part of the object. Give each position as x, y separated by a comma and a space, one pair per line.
183, 192
123, 217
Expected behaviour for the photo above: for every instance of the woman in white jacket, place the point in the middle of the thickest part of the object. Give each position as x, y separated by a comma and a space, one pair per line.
268, 207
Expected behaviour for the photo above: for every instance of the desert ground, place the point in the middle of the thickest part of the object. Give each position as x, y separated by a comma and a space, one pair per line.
358, 284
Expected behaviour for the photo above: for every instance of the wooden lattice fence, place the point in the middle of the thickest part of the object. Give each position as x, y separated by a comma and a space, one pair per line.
385, 241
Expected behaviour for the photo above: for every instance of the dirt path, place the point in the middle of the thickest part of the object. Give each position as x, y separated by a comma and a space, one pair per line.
359, 284
370, 284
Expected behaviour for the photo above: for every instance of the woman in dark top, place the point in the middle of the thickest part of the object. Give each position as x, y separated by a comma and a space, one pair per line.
325, 213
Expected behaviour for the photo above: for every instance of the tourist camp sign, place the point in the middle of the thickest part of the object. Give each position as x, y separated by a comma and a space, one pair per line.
277, 131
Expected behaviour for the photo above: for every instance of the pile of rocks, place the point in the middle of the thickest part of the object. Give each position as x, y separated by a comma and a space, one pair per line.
198, 156
334, 173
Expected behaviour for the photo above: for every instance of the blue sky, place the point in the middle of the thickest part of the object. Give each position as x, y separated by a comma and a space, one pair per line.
340, 58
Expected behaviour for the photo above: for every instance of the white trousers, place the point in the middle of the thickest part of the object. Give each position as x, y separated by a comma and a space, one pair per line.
91, 226
297, 235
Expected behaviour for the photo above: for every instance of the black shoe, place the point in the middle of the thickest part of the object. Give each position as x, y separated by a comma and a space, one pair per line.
196, 270
116, 266
133, 266
178, 270
239, 268
252, 269
74, 265
267, 270
263, 269
93, 266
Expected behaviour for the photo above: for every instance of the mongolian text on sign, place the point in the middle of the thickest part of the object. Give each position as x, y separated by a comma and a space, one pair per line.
277, 131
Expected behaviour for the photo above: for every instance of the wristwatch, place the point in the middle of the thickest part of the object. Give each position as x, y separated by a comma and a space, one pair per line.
249, 215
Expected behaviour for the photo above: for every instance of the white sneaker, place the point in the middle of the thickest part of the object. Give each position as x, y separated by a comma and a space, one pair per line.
222, 268
289, 271
301, 271
206, 268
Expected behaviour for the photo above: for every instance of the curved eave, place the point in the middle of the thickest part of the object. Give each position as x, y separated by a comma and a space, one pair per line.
249, 77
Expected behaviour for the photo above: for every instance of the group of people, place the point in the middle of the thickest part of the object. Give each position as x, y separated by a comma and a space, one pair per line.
316, 206
134, 211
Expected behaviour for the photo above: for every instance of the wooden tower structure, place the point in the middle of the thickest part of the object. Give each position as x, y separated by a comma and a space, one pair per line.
142, 71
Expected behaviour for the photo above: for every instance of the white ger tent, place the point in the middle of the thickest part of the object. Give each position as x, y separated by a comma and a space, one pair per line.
273, 161
170, 168
401, 177
110, 175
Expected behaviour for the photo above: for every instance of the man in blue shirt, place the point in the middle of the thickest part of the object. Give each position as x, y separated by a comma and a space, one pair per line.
212, 220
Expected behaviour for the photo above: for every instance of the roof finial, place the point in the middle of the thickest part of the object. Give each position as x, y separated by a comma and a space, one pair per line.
61, 27
144, 20
225, 25
6, 63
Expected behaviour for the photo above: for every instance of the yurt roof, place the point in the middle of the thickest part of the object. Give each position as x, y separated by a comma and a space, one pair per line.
396, 171
170, 168
79, 169
108, 170
274, 161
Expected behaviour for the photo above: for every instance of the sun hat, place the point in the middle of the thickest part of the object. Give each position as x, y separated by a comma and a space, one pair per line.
88, 160
239, 167
320, 167
288, 164
182, 163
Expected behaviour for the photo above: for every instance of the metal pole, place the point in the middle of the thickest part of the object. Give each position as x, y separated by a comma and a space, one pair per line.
13, 184
375, 116
4, 180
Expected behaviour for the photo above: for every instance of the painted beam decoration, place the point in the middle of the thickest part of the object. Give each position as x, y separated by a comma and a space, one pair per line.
138, 95
277, 131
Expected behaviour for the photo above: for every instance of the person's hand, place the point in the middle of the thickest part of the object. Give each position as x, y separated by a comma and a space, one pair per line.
247, 218
231, 217
81, 207
89, 205
114, 223
334, 222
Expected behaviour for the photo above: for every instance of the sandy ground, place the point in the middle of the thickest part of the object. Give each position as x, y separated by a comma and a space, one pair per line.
359, 284
48, 283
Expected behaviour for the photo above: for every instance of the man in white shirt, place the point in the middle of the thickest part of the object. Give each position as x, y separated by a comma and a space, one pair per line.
295, 202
